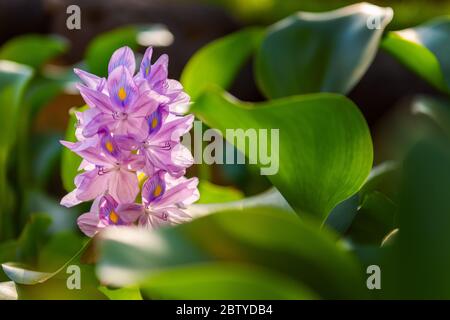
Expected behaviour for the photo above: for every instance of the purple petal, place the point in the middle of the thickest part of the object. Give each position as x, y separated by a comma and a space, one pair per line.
100, 121
96, 99
146, 66
93, 184
90, 224
123, 186
90, 80
183, 193
159, 72
122, 57
153, 189
122, 90
130, 212
70, 199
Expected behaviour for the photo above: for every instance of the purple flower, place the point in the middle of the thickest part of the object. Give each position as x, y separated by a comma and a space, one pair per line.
153, 78
163, 201
133, 125
109, 169
105, 212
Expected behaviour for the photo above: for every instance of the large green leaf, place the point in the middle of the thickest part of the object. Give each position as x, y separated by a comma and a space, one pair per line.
312, 52
218, 281
418, 263
102, 47
424, 49
325, 149
260, 236
33, 49
33, 284
218, 62
13, 80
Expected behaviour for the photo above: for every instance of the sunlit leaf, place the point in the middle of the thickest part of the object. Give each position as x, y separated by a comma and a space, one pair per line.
325, 149
313, 52
425, 50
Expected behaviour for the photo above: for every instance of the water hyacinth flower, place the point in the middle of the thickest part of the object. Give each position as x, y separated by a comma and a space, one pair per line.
132, 126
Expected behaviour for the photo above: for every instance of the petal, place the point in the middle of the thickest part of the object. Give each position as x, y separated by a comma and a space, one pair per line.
123, 186
182, 194
100, 121
96, 99
130, 212
70, 199
153, 189
159, 72
123, 92
122, 57
146, 66
144, 105
93, 184
89, 79
89, 223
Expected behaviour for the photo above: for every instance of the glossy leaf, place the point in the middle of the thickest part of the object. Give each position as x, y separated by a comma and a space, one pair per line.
325, 149
425, 50
219, 61
418, 261
261, 236
33, 49
313, 52
222, 281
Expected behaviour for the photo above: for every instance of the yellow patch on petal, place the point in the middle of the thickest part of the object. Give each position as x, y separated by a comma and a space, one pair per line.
122, 94
114, 217
109, 146
147, 70
157, 191
154, 123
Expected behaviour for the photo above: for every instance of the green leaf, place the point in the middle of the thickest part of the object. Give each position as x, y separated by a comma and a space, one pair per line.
32, 238
325, 149
32, 284
103, 46
418, 261
33, 49
212, 193
375, 218
265, 237
425, 50
313, 52
218, 62
13, 80
221, 281
127, 293
69, 160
